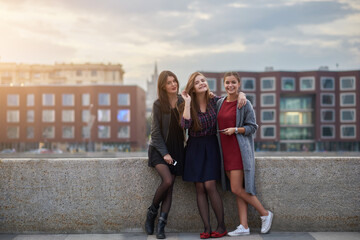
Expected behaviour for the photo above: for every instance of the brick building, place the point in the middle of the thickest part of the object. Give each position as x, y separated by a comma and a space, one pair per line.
82, 117
308, 110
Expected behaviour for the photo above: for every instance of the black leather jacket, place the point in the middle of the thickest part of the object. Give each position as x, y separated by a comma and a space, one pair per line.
160, 124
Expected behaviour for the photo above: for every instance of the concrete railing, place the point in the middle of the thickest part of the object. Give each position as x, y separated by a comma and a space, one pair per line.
111, 195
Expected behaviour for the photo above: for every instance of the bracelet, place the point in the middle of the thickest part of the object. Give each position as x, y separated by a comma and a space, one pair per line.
236, 130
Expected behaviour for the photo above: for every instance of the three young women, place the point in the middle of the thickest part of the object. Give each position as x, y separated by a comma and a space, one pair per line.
236, 129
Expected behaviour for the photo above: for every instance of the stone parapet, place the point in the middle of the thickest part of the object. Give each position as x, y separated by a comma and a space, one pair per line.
87, 195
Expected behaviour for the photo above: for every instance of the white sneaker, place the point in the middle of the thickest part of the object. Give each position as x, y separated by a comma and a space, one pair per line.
266, 222
239, 231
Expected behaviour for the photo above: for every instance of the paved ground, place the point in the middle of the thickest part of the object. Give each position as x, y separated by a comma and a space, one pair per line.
189, 236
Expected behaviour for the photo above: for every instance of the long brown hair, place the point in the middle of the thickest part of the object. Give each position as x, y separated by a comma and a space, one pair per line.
194, 108
162, 94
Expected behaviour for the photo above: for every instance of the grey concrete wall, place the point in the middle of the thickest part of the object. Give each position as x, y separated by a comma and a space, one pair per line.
111, 195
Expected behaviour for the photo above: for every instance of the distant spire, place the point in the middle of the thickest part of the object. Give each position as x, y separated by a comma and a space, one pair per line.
156, 70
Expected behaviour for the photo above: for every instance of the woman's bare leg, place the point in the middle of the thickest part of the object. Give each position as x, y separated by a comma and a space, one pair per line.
242, 208
236, 181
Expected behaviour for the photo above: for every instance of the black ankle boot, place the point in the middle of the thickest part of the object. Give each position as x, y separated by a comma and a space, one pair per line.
150, 219
161, 225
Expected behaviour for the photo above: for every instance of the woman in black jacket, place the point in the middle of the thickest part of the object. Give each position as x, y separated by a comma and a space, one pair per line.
166, 150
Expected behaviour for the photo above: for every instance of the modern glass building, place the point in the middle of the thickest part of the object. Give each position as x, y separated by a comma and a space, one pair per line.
301, 111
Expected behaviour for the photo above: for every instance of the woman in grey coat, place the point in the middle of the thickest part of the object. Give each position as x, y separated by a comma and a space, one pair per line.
166, 150
235, 136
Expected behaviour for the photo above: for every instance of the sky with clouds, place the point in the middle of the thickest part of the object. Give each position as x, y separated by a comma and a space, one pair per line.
183, 36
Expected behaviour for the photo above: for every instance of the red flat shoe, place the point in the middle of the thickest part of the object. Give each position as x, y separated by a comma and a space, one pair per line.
218, 235
205, 235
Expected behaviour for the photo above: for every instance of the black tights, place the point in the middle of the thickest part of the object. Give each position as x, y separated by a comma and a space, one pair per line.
163, 193
203, 191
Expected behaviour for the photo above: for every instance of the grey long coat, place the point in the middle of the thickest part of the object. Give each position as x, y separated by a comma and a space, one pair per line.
245, 117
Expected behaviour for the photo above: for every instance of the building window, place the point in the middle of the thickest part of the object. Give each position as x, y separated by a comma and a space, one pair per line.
123, 99
68, 115
85, 116
268, 115
268, 131
48, 99
13, 100
268, 100
348, 115
252, 98
347, 99
104, 99
104, 115
85, 99
78, 73
68, 132
348, 131
123, 115
288, 84
248, 84
29, 132
30, 116
296, 133
85, 132
6, 74
222, 85
12, 132
327, 131
58, 73
296, 103
327, 115
327, 83
93, 73
268, 84
327, 99
103, 131
48, 132
68, 100
30, 100
307, 83
36, 75
212, 84
48, 115
22, 75
347, 83
124, 132
296, 118
12, 116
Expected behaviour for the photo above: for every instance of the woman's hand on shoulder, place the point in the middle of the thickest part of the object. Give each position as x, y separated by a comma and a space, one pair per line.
212, 95
186, 96
241, 100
